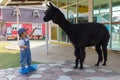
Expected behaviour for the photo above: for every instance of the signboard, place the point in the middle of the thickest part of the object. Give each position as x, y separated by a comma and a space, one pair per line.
9, 31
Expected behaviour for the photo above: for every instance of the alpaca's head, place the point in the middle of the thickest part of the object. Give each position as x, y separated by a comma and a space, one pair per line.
52, 13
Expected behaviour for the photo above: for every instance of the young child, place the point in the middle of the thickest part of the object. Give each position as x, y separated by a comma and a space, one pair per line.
25, 53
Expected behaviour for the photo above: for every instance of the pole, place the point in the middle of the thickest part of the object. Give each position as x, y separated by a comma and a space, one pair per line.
90, 10
110, 24
46, 35
76, 11
17, 8
58, 29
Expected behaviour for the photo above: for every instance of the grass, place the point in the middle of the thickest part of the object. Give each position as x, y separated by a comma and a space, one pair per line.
9, 58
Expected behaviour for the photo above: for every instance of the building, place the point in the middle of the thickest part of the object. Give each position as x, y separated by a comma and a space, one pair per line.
106, 12
28, 17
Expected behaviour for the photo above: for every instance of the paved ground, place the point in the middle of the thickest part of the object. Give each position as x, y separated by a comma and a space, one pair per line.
58, 63
60, 71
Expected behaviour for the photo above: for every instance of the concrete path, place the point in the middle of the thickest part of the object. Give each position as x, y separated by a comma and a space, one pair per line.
60, 71
58, 63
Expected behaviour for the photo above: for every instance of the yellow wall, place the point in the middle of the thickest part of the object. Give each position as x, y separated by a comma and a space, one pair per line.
81, 9
54, 33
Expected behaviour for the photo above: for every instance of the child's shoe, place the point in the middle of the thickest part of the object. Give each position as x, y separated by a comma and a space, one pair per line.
24, 71
32, 67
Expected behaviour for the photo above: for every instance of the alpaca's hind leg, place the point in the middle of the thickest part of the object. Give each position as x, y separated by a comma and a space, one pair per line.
99, 52
104, 48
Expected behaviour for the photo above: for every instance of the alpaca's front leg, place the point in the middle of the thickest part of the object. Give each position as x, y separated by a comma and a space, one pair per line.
82, 58
76, 63
76, 53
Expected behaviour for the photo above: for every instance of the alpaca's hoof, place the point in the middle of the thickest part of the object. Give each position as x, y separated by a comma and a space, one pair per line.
81, 68
75, 67
104, 64
96, 64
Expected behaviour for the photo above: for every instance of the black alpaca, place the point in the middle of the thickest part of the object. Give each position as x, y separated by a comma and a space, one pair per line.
81, 35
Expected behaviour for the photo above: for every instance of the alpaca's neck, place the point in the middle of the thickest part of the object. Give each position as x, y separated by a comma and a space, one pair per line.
66, 26
63, 23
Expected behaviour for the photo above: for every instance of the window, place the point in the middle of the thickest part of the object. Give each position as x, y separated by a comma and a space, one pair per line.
15, 12
36, 13
14, 26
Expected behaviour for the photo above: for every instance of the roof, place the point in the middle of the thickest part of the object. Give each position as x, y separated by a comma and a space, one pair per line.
40, 2
22, 2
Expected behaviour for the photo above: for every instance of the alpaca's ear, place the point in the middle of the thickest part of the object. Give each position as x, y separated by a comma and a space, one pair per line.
51, 5
48, 6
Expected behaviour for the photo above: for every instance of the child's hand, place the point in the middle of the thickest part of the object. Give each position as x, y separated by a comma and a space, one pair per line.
23, 46
33, 31
35, 28
26, 46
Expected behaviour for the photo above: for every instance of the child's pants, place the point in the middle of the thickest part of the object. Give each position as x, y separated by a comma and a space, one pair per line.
25, 55
25, 58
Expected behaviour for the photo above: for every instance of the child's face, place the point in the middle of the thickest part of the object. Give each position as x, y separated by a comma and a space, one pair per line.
24, 34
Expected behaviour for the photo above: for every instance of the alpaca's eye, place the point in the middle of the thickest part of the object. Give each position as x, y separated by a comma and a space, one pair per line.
50, 14
45, 12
